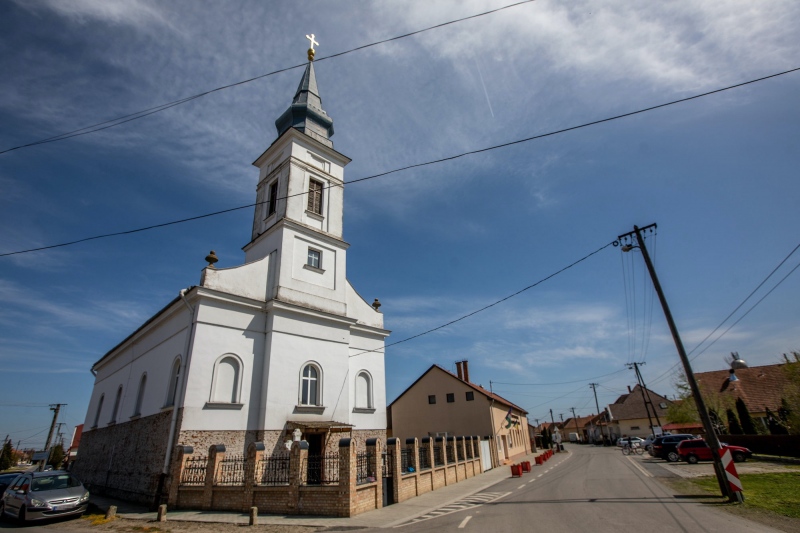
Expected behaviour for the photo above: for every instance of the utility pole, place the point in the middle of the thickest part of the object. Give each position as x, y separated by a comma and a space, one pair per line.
629, 244
551, 417
56, 408
647, 392
594, 389
635, 366
562, 416
575, 418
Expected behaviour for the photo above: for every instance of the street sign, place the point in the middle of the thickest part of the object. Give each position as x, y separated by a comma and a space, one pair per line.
40, 456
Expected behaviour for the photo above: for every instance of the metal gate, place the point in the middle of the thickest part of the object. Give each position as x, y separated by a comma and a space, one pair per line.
387, 475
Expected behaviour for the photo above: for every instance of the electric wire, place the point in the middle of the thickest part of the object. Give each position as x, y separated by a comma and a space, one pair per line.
674, 366
484, 308
558, 383
100, 126
415, 165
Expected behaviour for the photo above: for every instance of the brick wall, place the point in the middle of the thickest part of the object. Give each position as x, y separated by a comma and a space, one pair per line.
125, 460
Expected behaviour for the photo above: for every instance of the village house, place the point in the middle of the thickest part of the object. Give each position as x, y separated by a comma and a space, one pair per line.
633, 414
442, 404
279, 349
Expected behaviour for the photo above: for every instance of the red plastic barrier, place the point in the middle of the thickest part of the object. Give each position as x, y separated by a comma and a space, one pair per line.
539, 460
526, 466
516, 470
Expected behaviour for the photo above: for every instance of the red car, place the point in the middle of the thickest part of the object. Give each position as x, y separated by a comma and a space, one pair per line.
695, 450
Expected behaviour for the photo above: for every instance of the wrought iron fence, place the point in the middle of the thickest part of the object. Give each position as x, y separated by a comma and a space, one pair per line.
424, 458
438, 455
230, 471
273, 470
194, 470
450, 453
387, 459
469, 449
407, 462
364, 470
460, 449
321, 469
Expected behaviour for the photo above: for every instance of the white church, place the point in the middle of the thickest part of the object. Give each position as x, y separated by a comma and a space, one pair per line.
254, 352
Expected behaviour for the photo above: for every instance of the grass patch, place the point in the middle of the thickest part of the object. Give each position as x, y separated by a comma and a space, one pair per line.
97, 519
777, 492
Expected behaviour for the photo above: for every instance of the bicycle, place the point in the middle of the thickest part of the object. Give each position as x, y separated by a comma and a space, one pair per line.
627, 449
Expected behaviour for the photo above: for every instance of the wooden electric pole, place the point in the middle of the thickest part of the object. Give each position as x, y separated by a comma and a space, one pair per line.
711, 435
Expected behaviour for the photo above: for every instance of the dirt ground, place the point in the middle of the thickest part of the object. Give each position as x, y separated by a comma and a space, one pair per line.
121, 525
706, 468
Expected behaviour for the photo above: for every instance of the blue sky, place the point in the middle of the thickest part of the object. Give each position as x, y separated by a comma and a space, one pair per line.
718, 175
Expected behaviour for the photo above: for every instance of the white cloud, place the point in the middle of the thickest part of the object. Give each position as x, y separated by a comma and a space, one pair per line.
123, 12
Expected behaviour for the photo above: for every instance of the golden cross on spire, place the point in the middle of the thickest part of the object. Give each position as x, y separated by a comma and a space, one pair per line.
312, 43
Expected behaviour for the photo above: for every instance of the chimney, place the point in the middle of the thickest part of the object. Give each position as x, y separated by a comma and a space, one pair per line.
629, 389
459, 370
466, 370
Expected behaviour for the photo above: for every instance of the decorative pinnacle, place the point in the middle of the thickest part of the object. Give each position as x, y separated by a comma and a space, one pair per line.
212, 258
311, 49
376, 304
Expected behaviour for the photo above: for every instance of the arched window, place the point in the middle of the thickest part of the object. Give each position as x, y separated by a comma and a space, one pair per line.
117, 401
174, 377
363, 390
137, 410
311, 385
226, 381
99, 409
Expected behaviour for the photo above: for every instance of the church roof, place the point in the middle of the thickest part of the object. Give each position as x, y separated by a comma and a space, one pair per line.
305, 112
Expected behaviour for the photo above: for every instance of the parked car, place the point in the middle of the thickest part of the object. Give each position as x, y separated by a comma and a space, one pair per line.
635, 441
41, 495
648, 442
664, 447
696, 450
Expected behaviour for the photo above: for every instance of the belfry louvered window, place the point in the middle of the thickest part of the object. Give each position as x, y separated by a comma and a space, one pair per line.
315, 196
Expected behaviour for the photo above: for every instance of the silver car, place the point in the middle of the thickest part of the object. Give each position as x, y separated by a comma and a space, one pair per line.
41, 495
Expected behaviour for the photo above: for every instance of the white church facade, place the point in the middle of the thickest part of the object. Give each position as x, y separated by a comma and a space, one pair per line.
254, 352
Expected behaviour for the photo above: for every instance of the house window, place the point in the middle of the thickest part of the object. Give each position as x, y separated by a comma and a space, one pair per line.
432, 399
310, 385
663, 405
470, 396
451, 397
315, 196
314, 258
172, 389
137, 410
117, 400
273, 198
226, 380
363, 390
99, 409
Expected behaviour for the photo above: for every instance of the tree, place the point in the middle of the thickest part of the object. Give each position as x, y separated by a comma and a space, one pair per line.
733, 423
56, 456
774, 424
6, 456
748, 426
785, 414
716, 422
792, 392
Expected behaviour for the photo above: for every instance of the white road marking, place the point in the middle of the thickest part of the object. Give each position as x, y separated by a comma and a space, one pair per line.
521, 487
540, 475
464, 522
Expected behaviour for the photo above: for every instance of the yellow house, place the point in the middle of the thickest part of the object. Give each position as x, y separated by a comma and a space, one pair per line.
440, 403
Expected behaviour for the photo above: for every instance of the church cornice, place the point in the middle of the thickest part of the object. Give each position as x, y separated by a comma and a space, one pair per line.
304, 229
301, 138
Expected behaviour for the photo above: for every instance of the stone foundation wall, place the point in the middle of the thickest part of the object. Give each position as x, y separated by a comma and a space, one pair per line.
125, 460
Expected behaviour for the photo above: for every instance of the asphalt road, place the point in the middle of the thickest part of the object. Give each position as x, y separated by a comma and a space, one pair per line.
588, 489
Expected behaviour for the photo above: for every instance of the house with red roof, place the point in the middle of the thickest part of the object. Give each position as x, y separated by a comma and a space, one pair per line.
440, 403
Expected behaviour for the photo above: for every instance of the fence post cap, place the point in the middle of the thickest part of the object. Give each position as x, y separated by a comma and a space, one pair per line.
344, 443
186, 450
257, 446
219, 448
391, 441
371, 442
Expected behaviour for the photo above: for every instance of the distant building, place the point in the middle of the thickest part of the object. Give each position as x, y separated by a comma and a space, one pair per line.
628, 416
440, 403
281, 345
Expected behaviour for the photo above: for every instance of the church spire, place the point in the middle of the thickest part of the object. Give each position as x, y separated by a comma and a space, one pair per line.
305, 112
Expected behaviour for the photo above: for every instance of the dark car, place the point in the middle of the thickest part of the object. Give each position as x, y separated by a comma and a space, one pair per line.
664, 447
696, 450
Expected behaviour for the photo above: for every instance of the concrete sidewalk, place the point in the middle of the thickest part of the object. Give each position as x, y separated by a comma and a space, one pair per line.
386, 517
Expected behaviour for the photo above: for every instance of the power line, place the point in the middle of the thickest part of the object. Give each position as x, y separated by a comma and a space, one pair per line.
100, 126
408, 167
560, 383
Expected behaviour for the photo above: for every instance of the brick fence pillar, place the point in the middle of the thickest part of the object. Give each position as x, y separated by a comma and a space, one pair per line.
375, 468
216, 453
395, 449
462, 450
255, 454
176, 472
347, 477
298, 460
477, 451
